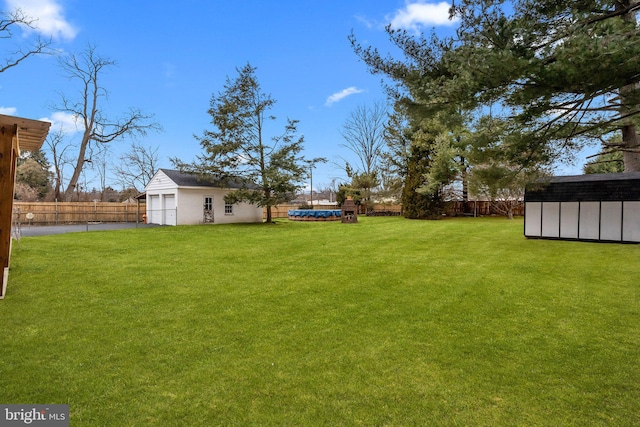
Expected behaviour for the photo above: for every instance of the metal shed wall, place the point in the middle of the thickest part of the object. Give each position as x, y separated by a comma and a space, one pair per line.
603, 207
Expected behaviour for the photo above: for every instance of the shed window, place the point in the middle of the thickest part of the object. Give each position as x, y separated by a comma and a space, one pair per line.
208, 203
228, 209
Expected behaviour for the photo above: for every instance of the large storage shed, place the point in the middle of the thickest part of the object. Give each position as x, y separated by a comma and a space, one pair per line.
175, 198
598, 207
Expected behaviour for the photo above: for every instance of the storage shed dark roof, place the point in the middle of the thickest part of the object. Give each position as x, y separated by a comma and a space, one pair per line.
193, 180
608, 187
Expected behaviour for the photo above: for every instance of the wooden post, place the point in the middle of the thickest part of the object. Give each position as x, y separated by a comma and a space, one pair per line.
15, 134
8, 159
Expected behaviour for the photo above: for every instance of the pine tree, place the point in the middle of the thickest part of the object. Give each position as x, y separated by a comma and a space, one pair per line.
557, 74
269, 170
419, 204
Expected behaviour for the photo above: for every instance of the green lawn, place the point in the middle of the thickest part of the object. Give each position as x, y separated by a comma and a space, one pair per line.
387, 322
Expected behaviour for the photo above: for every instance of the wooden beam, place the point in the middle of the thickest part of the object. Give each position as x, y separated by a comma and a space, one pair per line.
15, 133
32, 132
8, 158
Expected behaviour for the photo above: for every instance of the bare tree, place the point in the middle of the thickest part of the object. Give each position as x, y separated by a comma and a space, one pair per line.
137, 166
87, 68
60, 153
100, 156
363, 133
9, 21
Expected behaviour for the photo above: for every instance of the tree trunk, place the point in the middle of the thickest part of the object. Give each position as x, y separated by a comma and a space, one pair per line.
73, 182
631, 148
269, 214
630, 141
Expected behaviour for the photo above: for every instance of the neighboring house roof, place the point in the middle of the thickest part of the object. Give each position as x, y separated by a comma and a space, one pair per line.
193, 180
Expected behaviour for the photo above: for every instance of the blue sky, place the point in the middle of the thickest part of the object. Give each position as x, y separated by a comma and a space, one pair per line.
172, 56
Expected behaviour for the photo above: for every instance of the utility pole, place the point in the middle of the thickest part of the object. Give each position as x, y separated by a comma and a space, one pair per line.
312, 164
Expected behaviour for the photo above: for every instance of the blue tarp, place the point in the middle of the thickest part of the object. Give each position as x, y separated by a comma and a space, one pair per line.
316, 213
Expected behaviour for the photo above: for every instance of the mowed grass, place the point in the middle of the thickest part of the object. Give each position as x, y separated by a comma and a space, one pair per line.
385, 322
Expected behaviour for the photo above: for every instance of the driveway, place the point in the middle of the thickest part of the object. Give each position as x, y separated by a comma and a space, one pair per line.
43, 230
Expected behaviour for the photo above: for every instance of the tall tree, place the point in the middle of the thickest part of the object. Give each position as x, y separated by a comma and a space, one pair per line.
558, 74
10, 21
363, 134
269, 170
398, 139
137, 166
87, 69
426, 155
59, 150
417, 203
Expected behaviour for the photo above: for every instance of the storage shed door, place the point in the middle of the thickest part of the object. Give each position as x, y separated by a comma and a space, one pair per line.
155, 213
170, 209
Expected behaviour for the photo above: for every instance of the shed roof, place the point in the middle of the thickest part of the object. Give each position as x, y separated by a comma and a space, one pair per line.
590, 187
194, 180
31, 133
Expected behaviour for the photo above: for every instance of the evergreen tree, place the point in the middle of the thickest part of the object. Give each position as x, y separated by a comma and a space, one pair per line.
347, 190
556, 74
418, 204
237, 149
33, 171
605, 163
609, 160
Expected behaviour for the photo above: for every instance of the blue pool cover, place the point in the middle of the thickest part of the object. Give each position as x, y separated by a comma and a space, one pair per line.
316, 213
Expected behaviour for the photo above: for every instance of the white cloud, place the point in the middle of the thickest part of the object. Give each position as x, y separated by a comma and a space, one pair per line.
66, 122
366, 21
420, 13
339, 96
49, 16
8, 111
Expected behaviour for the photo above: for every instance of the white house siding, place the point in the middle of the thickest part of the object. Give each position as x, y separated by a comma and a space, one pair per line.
191, 208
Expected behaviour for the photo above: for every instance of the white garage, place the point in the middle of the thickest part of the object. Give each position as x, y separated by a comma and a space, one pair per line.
175, 198
598, 207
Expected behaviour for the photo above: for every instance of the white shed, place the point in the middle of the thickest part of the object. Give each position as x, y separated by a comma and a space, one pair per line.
175, 198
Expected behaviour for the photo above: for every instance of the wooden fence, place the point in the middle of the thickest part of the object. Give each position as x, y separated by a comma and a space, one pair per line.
479, 208
472, 208
49, 213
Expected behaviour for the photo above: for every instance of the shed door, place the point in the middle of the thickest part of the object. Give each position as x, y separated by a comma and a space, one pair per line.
207, 210
155, 213
170, 209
